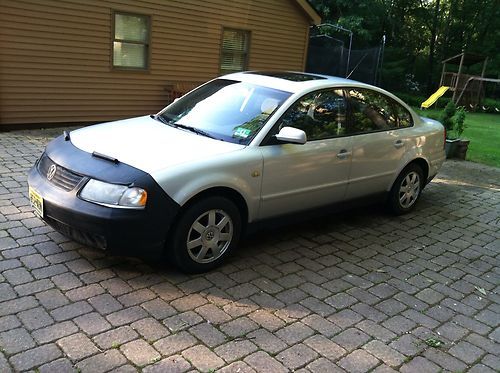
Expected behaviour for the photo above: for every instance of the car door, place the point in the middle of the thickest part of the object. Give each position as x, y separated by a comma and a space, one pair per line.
297, 177
377, 125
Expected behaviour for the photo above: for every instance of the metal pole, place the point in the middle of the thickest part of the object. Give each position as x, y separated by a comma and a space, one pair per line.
349, 54
350, 42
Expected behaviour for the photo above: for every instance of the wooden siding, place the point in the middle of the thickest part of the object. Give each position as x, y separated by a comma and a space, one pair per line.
55, 59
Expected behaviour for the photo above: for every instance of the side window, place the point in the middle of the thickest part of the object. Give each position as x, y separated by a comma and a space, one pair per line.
404, 118
131, 41
320, 114
372, 111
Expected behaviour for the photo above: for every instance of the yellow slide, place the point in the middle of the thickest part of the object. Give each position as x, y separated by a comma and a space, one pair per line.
434, 97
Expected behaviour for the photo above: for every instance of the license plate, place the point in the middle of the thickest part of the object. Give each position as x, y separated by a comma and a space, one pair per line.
36, 202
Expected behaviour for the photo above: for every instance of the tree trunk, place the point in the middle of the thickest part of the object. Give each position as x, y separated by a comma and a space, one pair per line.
432, 47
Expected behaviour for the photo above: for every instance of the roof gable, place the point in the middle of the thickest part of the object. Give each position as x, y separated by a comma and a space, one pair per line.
309, 11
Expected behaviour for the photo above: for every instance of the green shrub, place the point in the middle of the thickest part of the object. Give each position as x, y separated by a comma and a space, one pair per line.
459, 119
446, 117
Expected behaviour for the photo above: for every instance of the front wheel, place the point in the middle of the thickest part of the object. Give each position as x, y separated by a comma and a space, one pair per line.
204, 234
406, 190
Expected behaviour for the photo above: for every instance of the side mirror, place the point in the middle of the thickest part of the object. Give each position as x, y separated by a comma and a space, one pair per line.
291, 135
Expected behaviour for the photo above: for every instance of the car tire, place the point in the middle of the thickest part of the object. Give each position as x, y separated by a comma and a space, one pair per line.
406, 190
206, 231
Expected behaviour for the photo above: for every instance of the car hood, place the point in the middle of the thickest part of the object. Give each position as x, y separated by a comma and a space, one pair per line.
148, 144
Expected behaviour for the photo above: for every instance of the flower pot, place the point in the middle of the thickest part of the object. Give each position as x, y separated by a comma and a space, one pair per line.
461, 149
450, 147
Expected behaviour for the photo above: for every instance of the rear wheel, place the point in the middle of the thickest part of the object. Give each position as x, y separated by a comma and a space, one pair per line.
406, 189
205, 234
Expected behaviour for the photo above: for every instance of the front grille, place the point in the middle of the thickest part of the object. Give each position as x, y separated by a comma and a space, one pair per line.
63, 178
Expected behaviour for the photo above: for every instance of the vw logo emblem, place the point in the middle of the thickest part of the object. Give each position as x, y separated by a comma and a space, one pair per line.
51, 172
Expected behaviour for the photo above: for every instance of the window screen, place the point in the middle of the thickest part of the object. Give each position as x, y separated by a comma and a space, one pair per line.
131, 41
234, 54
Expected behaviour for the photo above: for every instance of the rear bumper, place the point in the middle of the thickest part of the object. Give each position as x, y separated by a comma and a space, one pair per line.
120, 231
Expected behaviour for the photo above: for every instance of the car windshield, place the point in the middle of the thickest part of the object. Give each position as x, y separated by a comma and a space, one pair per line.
225, 109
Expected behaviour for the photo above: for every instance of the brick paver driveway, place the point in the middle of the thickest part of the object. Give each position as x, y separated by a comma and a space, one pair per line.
359, 291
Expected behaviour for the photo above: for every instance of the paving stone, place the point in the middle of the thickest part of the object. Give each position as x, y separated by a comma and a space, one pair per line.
267, 341
150, 329
213, 314
238, 327
235, 350
61, 365
202, 358
174, 364
105, 304
35, 357
77, 346
325, 347
351, 339
52, 298
160, 309
139, 352
102, 362
419, 365
55, 331
16, 340
33, 287
126, 316
84, 292
345, 318
71, 311
9, 322
383, 352
296, 356
175, 343
358, 361
207, 334
267, 320
17, 276
445, 360
238, 366
375, 330
6, 292
466, 352
263, 362
294, 333
323, 365
92, 323
182, 321
35, 318
115, 337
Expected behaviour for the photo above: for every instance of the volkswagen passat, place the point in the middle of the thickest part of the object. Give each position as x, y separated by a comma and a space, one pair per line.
238, 149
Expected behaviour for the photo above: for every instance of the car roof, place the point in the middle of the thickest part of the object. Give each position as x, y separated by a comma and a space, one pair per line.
293, 81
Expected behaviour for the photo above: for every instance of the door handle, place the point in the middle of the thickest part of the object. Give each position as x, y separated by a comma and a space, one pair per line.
399, 144
343, 154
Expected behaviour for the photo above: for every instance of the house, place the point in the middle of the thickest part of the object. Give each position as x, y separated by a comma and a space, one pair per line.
70, 61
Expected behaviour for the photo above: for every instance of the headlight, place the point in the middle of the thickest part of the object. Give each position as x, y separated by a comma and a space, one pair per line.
113, 195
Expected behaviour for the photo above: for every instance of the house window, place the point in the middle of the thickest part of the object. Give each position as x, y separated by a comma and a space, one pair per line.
234, 53
131, 41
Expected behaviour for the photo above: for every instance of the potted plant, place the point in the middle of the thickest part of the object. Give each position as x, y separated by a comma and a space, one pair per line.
459, 127
453, 119
447, 119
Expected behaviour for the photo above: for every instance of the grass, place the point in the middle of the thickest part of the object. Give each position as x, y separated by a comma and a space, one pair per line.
483, 131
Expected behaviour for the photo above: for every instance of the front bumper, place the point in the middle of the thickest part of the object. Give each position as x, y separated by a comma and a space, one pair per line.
120, 231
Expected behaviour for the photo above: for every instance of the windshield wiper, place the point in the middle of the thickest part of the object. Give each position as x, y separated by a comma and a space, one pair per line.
162, 119
193, 129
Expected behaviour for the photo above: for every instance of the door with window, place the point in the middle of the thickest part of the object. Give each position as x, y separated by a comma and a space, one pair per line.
296, 176
377, 126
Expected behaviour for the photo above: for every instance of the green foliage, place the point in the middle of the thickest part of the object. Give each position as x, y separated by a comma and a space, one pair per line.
446, 117
419, 34
459, 125
482, 131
